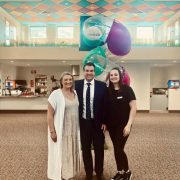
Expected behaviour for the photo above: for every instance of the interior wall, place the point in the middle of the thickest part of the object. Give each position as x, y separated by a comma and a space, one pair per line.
142, 77
157, 79
24, 73
164, 54
7, 71
172, 72
161, 75
140, 82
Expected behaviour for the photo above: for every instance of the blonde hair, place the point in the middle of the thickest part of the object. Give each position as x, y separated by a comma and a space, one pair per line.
62, 76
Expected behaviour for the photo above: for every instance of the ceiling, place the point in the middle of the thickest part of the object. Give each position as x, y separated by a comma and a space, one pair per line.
68, 12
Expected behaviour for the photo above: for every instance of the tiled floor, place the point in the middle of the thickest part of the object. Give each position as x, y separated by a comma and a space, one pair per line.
153, 147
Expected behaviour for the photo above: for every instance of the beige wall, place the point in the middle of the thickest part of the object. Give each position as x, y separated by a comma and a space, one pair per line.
161, 75
25, 73
73, 53
8, 71
140, 82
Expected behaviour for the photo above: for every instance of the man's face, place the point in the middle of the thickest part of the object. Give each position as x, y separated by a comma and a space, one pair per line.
89, 73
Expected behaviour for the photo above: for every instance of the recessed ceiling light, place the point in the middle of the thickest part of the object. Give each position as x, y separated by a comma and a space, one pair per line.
174, 61
11, 61
63, 61
28, 64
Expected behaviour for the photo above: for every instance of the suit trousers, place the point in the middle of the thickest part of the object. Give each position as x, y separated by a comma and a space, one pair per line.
91, 134
119, 141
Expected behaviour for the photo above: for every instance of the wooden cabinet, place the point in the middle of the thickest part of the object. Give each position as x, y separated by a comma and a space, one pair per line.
41, 85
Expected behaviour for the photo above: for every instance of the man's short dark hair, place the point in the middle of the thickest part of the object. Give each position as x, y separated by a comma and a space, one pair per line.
89, 64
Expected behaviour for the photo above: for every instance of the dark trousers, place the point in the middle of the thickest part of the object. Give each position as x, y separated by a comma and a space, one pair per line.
119, 141
91, 134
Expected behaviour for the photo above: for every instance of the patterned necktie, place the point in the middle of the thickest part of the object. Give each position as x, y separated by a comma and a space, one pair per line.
88, 107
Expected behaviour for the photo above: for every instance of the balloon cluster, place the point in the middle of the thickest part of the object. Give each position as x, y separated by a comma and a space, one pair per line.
104, 35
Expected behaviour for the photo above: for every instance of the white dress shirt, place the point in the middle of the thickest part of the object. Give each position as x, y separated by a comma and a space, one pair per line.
91, 97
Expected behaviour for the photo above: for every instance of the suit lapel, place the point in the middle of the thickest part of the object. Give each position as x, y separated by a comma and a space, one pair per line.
95, 93
81, 90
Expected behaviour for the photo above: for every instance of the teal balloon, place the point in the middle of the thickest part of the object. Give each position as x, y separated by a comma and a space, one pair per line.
92, 43
98, 57
95, 30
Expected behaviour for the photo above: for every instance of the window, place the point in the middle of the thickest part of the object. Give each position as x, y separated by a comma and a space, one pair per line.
13, 33
7, 42
38, 32
65, 32
145, 33
177, 28
177, 42
7, 30
169, 33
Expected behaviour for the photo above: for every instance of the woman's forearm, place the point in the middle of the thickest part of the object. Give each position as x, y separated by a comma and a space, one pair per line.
132, 113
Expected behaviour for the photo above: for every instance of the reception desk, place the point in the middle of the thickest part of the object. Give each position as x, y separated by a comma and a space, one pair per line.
159, 102
23, 102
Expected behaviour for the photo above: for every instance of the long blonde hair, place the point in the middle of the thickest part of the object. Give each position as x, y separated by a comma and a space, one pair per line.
61, 78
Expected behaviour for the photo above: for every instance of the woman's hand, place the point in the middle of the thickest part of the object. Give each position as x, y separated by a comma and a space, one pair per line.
103, 127
127, 130
54, 136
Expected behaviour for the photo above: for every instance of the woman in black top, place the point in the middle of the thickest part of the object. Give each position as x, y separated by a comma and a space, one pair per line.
121, 113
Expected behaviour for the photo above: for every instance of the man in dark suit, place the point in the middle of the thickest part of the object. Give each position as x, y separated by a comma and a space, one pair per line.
92, 119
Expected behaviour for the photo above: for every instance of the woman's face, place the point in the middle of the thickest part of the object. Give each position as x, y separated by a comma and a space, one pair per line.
67, 81
114, 76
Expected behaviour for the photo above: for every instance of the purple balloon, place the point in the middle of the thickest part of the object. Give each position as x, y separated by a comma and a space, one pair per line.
119, 40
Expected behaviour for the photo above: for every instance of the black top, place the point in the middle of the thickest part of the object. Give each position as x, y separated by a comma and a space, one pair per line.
118, 106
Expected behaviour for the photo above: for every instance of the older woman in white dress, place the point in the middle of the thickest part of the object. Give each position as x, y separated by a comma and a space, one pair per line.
63, 131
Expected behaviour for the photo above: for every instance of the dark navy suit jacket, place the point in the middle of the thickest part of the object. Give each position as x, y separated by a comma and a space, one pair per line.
100, 100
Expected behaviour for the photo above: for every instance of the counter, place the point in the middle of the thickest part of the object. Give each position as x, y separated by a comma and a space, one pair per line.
174, 99
20, 96
159, 102
23, 102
